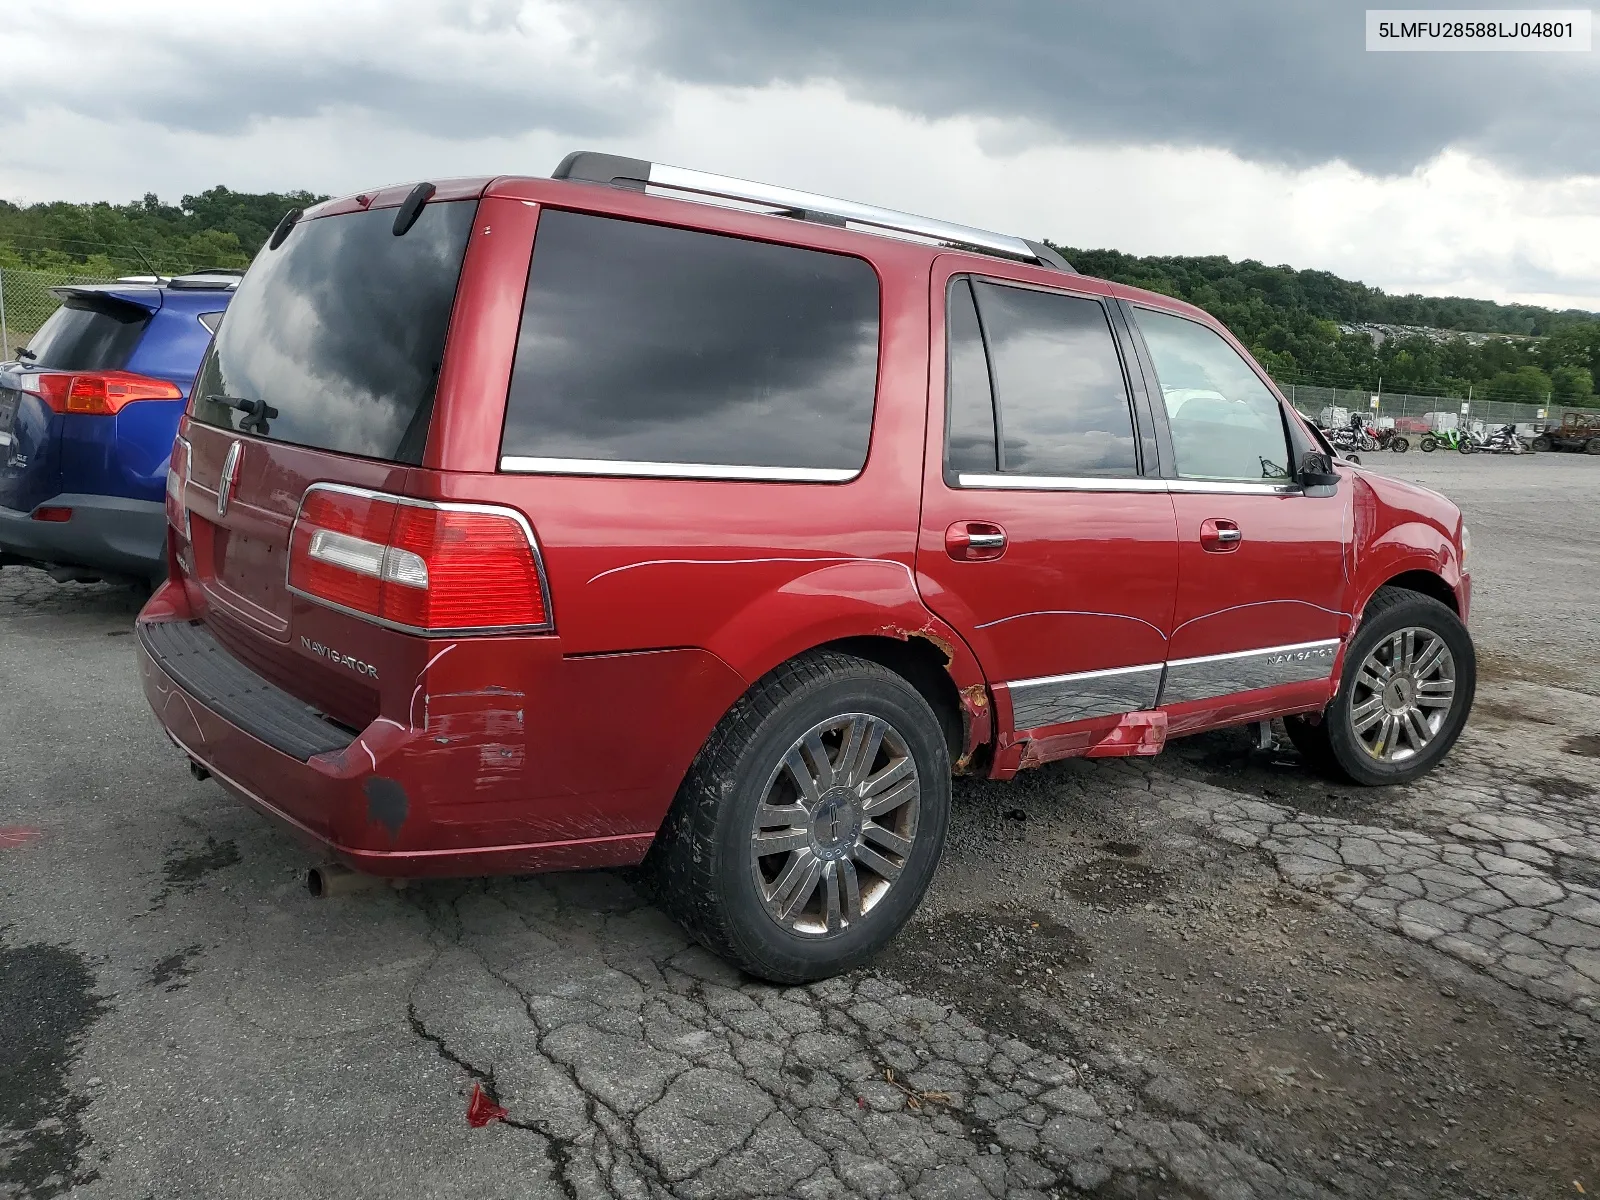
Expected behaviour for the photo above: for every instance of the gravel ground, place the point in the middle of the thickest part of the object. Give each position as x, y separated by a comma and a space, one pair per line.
1210, 974
1535, 521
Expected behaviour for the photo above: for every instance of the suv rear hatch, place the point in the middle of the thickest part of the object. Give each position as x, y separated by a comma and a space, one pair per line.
94, 330
323, 373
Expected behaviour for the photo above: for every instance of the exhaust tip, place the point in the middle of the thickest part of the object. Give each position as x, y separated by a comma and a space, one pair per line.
334, 879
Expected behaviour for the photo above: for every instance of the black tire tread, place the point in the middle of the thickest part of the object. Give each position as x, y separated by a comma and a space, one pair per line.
1322, 755
681, 870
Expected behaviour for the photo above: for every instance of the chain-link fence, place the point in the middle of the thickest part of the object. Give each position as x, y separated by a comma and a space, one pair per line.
26, 302
1415, 413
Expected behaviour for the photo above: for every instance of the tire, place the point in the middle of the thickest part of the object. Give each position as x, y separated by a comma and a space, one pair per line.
1400, 445
703, 867
1428, 444
1592, 446
1332, 744
1541, 445
1355, 458
1468, 446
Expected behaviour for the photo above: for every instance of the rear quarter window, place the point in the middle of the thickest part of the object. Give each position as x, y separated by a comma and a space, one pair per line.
653, 350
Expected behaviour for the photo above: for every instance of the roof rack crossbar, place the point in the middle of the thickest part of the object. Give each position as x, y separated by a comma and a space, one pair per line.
591, 167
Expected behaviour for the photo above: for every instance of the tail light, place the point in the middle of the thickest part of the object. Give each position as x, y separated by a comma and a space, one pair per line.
418, 566
177, 479
98, 393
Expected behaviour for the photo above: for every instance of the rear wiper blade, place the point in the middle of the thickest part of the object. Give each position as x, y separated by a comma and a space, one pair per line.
26, 354
256, 412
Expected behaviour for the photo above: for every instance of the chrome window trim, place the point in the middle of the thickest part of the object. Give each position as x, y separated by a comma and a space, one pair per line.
1063, 483
1123, 483
499, 510
527, 465
1232, 487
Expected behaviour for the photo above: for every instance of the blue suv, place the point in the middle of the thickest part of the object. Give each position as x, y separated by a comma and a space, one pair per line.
88, 414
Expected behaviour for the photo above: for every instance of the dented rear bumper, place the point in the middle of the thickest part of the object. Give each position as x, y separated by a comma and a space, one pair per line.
473, 786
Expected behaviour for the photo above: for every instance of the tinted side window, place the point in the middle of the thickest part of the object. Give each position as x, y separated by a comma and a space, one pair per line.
645, 344
971, 438
1225, 422
1062, 398
89, 334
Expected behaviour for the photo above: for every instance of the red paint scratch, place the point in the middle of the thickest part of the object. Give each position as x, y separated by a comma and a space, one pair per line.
481, 1110
12, 836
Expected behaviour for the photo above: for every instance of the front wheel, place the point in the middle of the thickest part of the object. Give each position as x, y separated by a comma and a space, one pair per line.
1400, 445
811, 822
1428, 444
1409, 677
1467, 446
1592, 446
1541, 445
1355, 458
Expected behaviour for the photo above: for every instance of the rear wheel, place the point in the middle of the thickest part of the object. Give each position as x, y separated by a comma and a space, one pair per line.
1410, 674
1428, 444
811, 822
1400, 445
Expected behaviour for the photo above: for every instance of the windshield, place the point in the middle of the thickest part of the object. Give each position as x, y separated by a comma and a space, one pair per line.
339, 333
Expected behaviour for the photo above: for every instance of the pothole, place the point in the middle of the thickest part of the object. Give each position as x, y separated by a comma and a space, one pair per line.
1116, 882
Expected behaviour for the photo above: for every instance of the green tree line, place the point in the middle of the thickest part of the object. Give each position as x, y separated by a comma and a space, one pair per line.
1290, 321
217, 228
1288, 318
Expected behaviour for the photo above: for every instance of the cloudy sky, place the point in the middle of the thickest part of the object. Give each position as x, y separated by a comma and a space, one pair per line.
1252, 128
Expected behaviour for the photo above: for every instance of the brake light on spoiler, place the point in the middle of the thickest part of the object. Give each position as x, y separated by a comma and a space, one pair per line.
416, 565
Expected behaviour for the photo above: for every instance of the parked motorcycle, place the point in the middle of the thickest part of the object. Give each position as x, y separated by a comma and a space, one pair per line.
1504, 440
1450, 439
1390, 439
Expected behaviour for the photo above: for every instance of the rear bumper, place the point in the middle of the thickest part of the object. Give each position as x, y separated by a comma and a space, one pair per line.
374, 800
111, 534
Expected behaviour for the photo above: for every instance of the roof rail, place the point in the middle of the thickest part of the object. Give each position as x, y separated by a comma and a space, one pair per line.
617, 171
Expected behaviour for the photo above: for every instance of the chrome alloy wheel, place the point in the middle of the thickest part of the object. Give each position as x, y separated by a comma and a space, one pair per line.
1403, 694
836, 823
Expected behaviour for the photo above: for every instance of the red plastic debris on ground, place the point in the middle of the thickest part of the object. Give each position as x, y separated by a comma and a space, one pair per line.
481, 1110
12, 836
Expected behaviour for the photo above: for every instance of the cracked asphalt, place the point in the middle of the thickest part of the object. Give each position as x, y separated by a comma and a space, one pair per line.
1210, 974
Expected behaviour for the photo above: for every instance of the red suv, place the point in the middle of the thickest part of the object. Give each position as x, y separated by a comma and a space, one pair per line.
646, 516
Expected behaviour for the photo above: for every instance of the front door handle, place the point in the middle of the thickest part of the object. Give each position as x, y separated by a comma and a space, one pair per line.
974, 541
1218, 535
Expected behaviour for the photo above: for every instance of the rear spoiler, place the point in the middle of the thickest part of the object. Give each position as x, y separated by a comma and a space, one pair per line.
126, 303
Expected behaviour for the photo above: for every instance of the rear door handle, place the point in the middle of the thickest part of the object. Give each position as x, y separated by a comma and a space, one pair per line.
974, 541
1220, 535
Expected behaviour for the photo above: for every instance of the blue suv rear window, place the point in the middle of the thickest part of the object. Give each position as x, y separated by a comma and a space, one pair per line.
88, 333
341, 330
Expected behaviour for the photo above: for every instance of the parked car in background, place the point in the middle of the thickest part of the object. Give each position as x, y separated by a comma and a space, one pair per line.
88, 414
1576, 431
533, 524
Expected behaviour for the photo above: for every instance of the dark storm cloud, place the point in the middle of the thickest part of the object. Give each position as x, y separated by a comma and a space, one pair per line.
1271, 81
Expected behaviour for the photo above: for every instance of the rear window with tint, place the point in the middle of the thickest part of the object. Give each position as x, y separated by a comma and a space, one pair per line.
645, 349
342, 330
89, 333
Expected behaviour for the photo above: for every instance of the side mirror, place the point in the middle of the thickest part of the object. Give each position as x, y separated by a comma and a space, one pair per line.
1316, 475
